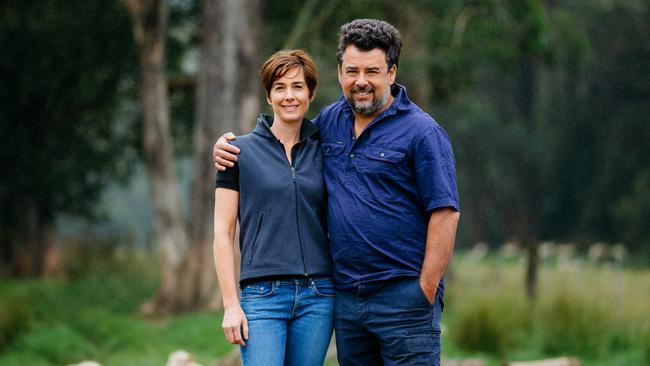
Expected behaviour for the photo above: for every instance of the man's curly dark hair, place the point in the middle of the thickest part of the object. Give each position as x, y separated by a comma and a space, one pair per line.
368, 34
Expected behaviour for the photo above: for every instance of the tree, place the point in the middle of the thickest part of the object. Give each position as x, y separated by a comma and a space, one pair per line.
62, 71
226, 99
149, 21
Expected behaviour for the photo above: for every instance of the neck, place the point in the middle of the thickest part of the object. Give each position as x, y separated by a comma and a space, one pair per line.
287, 132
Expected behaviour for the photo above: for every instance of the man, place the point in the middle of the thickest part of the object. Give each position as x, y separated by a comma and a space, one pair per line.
392, 205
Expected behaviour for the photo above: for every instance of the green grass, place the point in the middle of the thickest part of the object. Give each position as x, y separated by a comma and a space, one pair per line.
596, 313
96, 317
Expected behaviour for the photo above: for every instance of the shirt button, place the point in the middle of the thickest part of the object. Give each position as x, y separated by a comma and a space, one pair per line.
381, 154
352, 156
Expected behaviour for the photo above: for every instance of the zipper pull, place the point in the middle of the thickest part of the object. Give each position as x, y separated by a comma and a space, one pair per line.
293, 173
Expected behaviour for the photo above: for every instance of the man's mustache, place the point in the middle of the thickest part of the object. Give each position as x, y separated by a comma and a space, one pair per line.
365, 89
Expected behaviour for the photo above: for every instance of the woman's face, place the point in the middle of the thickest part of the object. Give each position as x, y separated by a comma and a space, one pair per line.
290, 97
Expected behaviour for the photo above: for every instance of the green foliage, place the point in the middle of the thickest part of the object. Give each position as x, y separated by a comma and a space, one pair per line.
543, 103
15, 317
569, 326
65, 72
56, 343
479, 329
95, 316
487, 315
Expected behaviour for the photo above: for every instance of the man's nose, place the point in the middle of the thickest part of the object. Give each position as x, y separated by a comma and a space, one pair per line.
361, 80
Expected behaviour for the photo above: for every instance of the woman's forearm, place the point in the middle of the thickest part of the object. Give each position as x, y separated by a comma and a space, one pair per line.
226, 206
224, 261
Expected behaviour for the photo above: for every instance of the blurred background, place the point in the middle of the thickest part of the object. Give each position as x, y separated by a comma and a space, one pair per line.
110, 108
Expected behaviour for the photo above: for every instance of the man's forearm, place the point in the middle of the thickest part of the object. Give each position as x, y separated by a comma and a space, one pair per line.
441, 236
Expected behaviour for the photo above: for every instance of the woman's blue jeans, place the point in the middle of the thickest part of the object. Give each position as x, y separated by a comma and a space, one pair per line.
290, 322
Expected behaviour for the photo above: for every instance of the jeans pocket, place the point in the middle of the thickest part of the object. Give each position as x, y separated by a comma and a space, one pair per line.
323, 287
423, 296
258, 290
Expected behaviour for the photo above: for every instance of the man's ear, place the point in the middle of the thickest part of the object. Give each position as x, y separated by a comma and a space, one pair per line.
392, 73
268, 100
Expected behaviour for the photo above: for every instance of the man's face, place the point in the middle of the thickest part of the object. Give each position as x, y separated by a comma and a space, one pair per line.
365, 79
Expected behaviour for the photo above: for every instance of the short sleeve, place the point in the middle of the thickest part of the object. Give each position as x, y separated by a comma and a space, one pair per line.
228, 178
435, 170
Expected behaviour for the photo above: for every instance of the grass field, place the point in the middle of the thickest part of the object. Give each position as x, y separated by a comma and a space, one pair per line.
598, 313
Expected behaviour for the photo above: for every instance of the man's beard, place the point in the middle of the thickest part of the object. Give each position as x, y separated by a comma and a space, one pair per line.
367, 108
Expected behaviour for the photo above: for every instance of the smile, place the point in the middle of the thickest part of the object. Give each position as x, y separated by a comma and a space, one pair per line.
290, 107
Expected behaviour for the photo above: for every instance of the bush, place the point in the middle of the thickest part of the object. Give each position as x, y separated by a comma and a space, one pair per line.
15, 318
55, 343
479, 329
569, 326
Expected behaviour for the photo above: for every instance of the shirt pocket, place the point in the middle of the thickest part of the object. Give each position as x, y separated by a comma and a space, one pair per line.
331, 149
380, 172
384, 155
382, 163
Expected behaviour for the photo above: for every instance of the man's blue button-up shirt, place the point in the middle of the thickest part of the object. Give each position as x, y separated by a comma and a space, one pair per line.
382, 188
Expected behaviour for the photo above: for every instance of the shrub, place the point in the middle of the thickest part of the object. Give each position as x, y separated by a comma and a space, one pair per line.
569, 326
15, 318
56, 343
479, 329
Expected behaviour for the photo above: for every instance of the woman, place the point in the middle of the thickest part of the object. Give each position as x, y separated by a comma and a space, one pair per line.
276, 189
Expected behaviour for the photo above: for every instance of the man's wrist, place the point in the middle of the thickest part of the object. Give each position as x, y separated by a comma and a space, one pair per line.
428, 289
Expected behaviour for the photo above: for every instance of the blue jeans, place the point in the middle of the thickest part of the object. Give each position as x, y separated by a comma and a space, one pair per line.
289, 322
387, 323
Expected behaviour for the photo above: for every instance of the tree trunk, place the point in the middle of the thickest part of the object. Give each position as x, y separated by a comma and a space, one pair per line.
227, 100
33, 250
529, 176
149, 19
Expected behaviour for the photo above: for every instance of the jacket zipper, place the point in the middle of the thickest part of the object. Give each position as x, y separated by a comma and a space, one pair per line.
295, 190
302, 250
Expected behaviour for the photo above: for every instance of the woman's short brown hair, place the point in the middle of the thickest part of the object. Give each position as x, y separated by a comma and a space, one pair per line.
282, 61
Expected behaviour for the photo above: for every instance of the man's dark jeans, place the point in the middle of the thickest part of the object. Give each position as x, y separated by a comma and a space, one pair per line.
387, 323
